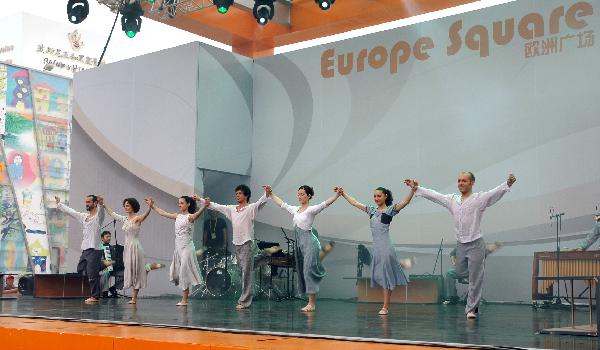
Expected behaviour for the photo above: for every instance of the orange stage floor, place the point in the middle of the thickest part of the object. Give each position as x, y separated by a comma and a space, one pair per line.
27, 333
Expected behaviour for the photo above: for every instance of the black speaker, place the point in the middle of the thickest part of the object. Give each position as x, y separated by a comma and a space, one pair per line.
26, 285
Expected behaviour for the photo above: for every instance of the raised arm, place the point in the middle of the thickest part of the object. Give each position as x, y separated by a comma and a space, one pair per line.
110, 212
434, 196
214, 206
400, 205
351, 199
490, 198
196, 215
69, 211
333, 198
140, 218
269, 193
160, 212
260, 203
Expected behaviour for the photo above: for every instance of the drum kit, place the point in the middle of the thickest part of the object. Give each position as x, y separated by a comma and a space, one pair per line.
221, 274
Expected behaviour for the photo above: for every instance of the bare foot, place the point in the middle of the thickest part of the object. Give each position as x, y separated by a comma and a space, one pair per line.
132, 301
492, 247
241, 307
326, 250
156, 266
182, 303
383, 311
91, 300
408, 263
308, 308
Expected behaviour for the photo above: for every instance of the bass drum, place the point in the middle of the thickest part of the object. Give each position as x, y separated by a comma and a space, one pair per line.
221, 282
218, 282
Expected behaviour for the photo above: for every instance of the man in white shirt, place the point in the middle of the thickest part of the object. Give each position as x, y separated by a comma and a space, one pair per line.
89, 262
242, 218
467, 209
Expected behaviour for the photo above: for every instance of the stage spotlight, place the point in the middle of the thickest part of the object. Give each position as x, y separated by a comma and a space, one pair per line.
263, 11
325, 4
131, 18
77, 10
223, 5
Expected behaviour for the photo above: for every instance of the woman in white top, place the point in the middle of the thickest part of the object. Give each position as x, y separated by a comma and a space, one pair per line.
308, 248
133, 253
184, 271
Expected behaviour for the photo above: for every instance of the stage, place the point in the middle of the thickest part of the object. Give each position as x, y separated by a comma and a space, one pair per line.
357, 324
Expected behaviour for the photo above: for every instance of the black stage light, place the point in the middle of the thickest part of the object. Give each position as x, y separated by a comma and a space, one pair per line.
223, 5
263, 11
77, 10
131, 18
325, 4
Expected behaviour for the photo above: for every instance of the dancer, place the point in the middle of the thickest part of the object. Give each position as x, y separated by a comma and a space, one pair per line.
592, 236
242, 218
385, 268
184, 271
308, 248
133, 255
467, 210
92, 224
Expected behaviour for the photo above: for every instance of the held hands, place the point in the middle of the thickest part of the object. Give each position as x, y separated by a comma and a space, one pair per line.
339, 190
196, 197
57, 199
511, 180
268, 190
412, 183
100, 200
149, 201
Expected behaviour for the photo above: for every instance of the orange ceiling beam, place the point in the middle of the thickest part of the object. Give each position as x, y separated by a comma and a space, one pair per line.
239, 29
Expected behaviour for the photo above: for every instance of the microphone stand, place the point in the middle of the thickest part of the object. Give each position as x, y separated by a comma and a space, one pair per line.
557, 217
291, 244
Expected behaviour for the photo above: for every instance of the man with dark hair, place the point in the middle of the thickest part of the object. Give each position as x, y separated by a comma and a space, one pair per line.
467, 210
242, 218
92, 223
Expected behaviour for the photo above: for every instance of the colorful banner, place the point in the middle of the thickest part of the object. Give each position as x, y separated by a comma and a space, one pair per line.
13, 251
23, 167
52, 111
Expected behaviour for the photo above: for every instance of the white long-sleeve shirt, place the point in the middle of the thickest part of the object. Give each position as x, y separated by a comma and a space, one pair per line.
467, 215
242, 221
91, 225
305, 219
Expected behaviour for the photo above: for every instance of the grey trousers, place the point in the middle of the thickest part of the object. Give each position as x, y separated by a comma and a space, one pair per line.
89, 265
245, 258
470, 263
